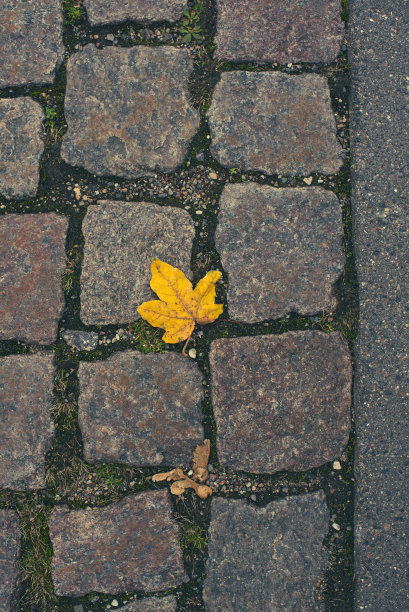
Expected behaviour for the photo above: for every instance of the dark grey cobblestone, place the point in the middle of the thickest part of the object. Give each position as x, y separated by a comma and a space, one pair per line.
275, 123
111, 11
21, 147
281, 248
128, 546
128, 110
140, 409
31, 46
268, 558
26, 386
121, 240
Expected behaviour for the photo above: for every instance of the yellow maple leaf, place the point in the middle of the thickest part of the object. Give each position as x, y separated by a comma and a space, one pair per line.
180, 306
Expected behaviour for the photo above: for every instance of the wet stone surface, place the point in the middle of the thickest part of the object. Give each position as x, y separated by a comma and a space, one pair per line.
128, 546
26, 385
281, 402
153, 604
21, 147
32, 258
128, 111
9, 555
275, 123
277, 31
111, 11
121, 240
31, 46
80, 340
281, 544
140, 409
281, 248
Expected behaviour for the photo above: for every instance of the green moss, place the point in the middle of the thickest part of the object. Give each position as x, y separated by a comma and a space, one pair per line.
345, 11
73, 11
147, 338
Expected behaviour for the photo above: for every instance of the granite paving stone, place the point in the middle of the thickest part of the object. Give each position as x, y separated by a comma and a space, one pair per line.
10, 542
281, 402
32, 258
26, 427
21, 147
281, 249
153, 604
128, 110
127, 546
266, 558
31, 44
111, 11
140, 409
277, 31
121, 240
275, 123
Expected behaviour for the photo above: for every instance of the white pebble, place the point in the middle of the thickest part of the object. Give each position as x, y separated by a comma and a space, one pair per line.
336, 526
192, 353
114, 603
213, 176
308, 180
336, 465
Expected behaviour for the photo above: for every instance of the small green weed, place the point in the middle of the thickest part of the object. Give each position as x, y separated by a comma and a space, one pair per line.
72, 11
190, 24
193, 535
149, 339
345, 12
50, 113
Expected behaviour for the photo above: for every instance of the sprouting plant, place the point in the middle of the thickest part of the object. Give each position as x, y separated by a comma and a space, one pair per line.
73, 11
234, 171
190, 24
50, 113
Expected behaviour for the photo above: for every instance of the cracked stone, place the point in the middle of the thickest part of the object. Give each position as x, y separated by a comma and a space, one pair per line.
275, 123
21, 147
268, 558
121, 240
281, 248
127, 546
32, 258
140, 409
31, 45
277, 31
146, 11
10, 543
153, 604
281, 402
26, 387
128, 110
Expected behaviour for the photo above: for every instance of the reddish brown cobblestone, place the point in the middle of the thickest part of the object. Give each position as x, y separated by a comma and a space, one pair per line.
140, 409
31, 46
32, 259
128, 546
268, 558
275, 123
281, 248
10, 581
111, 11
281, 402
26, 427
277, 31
21, 146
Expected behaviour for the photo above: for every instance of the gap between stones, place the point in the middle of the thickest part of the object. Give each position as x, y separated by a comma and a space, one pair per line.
68, 438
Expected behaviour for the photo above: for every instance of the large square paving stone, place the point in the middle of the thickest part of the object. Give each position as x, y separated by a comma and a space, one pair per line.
111, 11
31, 45
32, 258
26, 426
121, 241
21, 147
277, 31
266, 558
281, 402
10, 543
275, 123
140, 409
128, 546
281, 248
128, 110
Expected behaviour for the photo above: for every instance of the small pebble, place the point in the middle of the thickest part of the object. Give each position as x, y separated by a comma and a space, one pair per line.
336, 526
336, 465
192, 353
114, 603
213, 176
308, 180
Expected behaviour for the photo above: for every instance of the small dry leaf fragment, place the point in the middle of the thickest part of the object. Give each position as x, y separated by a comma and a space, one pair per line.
172, 475
180, 306
179, 487
200, 461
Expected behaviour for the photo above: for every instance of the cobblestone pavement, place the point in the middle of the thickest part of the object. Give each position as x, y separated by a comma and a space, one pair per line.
212, 135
